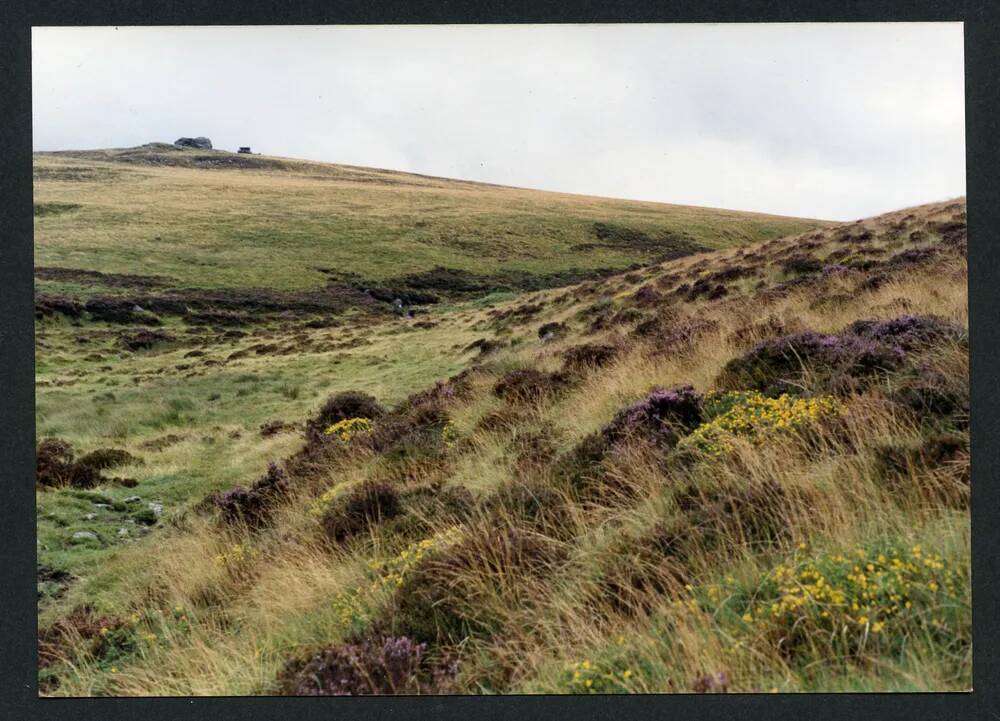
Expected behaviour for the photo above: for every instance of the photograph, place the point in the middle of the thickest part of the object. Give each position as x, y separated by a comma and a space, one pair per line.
501, 359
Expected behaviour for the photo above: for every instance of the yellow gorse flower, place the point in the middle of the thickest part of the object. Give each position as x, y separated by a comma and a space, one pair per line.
831, 594
349, 428
756, 417
234, 555
597, 676
449, 435
353, 605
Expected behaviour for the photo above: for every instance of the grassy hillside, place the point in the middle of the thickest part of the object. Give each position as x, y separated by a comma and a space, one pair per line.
700, 475
213, 219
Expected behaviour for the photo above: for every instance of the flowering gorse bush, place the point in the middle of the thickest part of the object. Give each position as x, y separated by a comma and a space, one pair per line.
870, 599
319, 506
597, 677
449, 435
751, 415
354, 606
349, 428
353, 610
391, 572
236, 555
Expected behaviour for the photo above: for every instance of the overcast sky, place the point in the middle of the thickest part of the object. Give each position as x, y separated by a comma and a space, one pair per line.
836, 121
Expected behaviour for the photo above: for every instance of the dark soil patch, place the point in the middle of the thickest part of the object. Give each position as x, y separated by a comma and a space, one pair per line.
47, 305
158, 444
143, 339
552, 331
52, 582
667, 244
93, 277
43, 209
118, 310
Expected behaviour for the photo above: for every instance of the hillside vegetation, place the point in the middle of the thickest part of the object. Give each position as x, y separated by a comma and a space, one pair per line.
211, 219
744, 469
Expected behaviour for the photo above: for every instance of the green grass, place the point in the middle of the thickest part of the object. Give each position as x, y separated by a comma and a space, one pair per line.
274, 227
110, 408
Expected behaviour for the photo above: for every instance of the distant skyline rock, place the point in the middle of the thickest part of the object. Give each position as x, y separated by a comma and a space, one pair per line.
199, 142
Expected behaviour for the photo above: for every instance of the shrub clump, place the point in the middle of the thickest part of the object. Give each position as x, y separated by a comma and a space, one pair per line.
589, 355
872, 602
910, 332
418, 429
530, 504
253, 506
441, 600
82, 632
801, 265
143, 339
383, 666
427, 507
528, 384
104, 458
360, 509
936, 396
349, 428
935, 467
340, 407
661, 419
614, 674
751, 415
647, 295
837, 362
55, 468
662, 416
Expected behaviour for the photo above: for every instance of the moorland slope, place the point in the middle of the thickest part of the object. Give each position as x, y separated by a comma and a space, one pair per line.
737, 469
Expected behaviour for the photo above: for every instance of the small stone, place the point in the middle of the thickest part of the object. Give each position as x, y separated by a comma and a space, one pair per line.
122, 532
85, 536
156, 508
133, 499
102, 505
90, 517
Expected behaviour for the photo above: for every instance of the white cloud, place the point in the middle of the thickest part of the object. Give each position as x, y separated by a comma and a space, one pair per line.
822, 120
